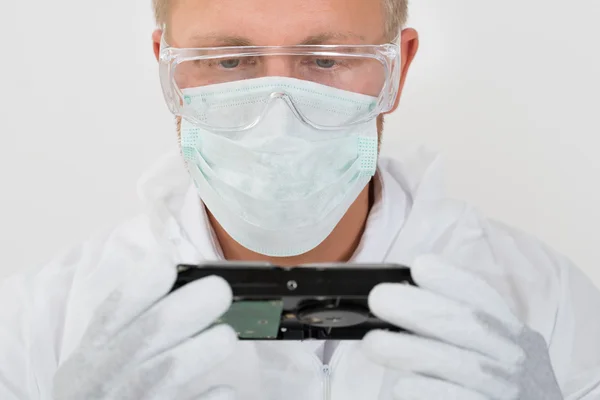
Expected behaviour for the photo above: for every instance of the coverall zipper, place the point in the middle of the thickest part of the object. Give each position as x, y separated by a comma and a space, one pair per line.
326, 382
326, 369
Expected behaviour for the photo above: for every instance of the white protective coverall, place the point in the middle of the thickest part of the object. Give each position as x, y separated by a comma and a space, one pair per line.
45, 312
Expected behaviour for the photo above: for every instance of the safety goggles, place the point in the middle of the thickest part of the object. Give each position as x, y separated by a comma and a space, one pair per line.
195, 81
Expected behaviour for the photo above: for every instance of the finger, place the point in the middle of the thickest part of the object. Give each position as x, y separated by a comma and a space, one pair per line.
429, 314
169, 372
144, 286
179, 316
432, 273
416, 387
436, 359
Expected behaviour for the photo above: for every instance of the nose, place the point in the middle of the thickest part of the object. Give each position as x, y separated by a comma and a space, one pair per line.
279, 66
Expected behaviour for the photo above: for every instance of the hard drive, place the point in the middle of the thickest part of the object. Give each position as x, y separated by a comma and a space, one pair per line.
327, 301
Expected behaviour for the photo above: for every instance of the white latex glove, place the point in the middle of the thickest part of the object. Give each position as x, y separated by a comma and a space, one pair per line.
466, 344
142, 345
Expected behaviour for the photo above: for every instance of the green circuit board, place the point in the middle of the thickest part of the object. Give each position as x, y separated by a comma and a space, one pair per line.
254, 319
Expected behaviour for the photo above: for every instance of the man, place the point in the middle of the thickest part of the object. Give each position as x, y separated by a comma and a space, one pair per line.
280, 108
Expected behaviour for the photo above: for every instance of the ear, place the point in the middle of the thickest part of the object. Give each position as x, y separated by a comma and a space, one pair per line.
156, 36
410, 46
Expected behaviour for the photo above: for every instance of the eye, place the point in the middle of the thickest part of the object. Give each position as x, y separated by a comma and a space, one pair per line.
325, 63
229, 64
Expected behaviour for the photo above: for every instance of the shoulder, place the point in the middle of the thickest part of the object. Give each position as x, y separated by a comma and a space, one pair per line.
525, 269
45, 310
129, 240
53, 303
562, 304
535, 280
527, 273
542, 287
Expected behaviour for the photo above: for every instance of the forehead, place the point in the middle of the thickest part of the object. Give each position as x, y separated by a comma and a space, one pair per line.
205, 23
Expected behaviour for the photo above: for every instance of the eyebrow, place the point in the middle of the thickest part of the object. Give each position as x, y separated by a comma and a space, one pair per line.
332, 38
218, 40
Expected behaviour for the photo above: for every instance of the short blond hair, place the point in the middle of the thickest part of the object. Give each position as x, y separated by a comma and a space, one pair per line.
396, 10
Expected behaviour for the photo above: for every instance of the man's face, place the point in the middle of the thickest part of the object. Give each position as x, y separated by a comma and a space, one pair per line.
208, 23
214, 23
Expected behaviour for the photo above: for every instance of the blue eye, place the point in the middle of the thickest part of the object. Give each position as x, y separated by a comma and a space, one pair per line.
325, 63
229, 64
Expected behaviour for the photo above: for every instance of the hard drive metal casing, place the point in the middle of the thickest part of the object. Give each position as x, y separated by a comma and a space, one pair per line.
325, 301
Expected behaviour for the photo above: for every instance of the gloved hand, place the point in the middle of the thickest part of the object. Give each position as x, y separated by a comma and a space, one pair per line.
466, 344
142, 345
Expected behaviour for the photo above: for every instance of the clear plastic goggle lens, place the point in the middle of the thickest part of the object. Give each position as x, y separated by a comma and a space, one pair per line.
350, 87
361, 75
326, 86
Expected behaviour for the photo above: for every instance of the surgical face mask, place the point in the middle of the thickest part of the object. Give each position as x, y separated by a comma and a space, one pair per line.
280, 187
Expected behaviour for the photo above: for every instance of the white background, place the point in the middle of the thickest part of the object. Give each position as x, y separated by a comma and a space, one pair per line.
508, 90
